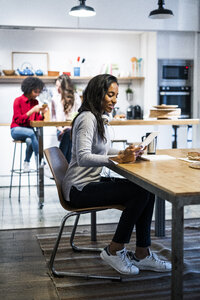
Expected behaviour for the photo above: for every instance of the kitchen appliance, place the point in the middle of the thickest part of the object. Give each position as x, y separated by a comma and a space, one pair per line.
177, 95
175, 81
175, 72
134, 112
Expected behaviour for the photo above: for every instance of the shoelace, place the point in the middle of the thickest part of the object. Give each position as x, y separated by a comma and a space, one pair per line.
126, 260
155, 258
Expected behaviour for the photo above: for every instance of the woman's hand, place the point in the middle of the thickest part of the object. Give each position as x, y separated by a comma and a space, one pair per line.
37, 109
130, 154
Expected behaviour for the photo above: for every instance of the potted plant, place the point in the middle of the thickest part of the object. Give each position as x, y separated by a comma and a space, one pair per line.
129, 94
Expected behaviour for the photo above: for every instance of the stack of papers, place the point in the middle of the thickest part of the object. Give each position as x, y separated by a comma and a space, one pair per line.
157, 157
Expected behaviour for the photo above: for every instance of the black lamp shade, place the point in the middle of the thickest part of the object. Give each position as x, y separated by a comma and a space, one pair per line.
161, 12
82, 10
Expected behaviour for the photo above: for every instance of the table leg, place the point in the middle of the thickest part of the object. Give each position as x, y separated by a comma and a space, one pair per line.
93, 226
40, 168
159, 217
177, 253
174, 143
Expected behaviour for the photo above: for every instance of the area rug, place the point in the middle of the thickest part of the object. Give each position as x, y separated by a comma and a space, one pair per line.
147, 285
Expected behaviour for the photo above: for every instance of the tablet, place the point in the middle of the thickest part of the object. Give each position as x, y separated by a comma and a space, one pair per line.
149, 139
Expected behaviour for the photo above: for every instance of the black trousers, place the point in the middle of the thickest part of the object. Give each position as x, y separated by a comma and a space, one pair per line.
138, 203
66, 144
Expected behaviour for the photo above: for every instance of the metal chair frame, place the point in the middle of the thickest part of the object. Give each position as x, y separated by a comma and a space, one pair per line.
18, 171
58, 165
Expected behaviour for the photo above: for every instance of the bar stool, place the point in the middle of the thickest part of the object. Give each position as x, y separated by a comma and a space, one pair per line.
20, 170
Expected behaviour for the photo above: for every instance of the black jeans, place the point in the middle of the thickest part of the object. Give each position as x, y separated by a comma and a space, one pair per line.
66, 144
138, 203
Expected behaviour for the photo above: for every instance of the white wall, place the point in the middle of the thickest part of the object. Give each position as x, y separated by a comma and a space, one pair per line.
64, 47
112, 14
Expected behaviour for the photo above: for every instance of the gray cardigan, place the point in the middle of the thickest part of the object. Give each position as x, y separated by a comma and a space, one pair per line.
89, 154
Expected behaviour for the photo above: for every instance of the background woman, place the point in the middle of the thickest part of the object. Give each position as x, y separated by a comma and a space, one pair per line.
84, 187
64, 107
26, 109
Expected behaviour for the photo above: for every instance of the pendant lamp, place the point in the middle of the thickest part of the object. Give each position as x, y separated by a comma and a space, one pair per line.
82, 10
161, 12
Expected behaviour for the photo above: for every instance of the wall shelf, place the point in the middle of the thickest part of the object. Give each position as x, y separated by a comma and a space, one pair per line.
51, 79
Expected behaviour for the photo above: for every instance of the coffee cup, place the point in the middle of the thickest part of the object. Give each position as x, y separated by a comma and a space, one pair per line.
151, 148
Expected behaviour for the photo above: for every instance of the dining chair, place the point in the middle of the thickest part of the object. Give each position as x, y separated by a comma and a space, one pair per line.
58, 166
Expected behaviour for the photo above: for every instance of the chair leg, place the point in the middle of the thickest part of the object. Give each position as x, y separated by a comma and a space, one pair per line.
29, 190
11, 177
72, 274
20, 173
79, 249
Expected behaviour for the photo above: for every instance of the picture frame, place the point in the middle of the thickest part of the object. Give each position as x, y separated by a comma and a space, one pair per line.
32, 60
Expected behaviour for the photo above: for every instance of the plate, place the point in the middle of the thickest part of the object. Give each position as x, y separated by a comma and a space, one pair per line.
163, 106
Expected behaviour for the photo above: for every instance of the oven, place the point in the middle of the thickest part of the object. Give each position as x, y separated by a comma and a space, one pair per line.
177, 95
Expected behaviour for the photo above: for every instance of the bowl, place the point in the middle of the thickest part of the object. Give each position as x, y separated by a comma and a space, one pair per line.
53, 73
9, 72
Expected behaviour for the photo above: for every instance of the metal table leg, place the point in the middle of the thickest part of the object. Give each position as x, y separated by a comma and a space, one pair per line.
177, 253
40, 174
160, 217
93, 227
174, 143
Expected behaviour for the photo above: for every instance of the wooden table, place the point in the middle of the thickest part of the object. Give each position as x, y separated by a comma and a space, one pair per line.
176, 182
160, 208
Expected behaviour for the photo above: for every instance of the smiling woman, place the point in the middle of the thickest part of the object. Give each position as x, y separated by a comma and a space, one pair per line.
26, 109
83, 186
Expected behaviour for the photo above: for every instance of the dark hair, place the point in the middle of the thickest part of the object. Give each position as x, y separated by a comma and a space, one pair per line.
30, 84
67, 92
93, 95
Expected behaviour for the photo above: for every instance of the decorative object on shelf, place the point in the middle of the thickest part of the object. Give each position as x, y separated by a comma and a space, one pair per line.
9, 72
36, 61
67, 73
77, 71
39, 72
136, 66
133, 60
53, 73
26, 69
82, 10
161, 12
165, 112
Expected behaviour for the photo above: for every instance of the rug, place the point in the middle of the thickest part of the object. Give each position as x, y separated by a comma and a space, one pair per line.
147, 285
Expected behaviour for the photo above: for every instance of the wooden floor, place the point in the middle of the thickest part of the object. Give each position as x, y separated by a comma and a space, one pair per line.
24, 274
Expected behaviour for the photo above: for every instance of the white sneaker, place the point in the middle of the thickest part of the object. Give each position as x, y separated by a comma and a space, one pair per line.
26, 167
151, 262
119, 262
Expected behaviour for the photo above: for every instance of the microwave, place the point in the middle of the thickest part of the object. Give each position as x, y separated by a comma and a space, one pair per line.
175, 72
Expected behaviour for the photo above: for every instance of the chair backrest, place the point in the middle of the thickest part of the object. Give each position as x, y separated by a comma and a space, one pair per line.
58, 166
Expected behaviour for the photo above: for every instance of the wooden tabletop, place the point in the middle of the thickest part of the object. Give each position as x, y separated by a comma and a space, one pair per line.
168, 177
123, 122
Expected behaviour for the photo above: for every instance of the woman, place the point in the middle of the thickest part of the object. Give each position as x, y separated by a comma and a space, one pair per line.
64, 107
84, 187
26, 109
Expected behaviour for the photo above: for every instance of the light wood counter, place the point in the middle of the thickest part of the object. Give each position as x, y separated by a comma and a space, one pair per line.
124, 122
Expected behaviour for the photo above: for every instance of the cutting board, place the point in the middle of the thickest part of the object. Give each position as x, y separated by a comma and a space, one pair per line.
165, 113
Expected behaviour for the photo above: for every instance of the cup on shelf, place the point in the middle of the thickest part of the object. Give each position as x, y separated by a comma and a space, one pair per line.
77, 71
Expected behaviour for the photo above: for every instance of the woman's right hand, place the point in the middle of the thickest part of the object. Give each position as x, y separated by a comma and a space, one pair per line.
130, 154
